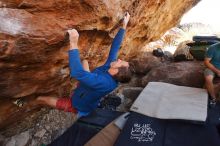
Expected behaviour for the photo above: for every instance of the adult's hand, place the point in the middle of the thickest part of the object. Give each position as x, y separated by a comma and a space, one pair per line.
73, 37
126, 20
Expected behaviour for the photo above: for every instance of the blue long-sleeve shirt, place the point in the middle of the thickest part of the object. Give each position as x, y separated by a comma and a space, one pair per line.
96, 84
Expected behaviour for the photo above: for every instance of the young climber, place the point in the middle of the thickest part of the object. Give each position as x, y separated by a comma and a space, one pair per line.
212, 62
92, 85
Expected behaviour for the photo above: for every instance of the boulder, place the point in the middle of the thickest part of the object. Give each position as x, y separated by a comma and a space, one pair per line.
34, 45
19, 140
182, 53
144, 63
131, 92
182, 73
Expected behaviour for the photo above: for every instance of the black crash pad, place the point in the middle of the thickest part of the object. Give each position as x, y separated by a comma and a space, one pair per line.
214, 114
142, 130
77, 135
85, 128
167, 132
100, 117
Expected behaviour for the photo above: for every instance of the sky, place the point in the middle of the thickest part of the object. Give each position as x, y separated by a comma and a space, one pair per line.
206, 11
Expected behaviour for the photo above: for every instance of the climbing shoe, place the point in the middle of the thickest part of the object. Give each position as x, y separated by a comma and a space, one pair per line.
19, 102
212, 102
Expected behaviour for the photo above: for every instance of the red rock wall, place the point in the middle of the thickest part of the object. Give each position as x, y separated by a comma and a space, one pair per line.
34, 44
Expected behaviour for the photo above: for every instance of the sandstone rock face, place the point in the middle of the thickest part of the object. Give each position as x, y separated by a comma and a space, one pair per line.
183, 74
144, 63
34, 43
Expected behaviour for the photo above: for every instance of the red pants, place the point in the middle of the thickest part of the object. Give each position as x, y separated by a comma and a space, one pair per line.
66, 105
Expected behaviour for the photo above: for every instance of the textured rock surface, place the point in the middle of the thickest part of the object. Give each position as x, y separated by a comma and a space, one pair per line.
34, 44
183, 74
144, 63
47, 128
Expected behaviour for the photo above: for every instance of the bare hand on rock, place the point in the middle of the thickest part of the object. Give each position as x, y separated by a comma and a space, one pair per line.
73, 37
126, 20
